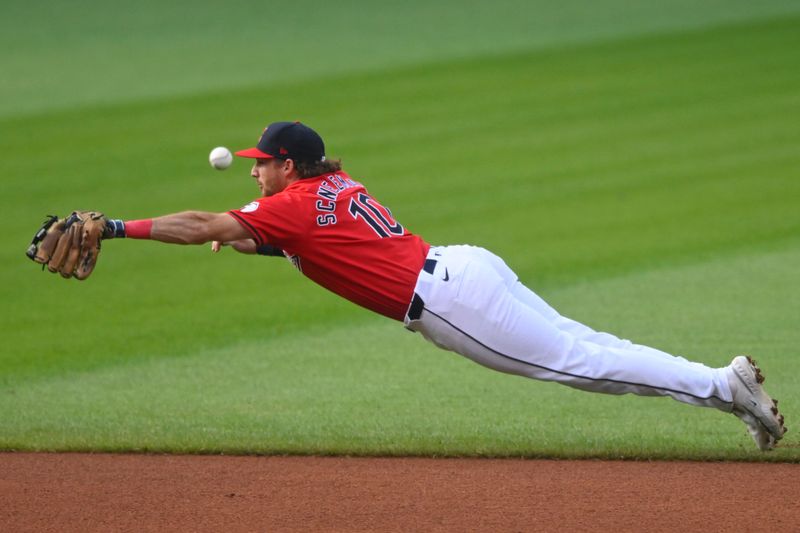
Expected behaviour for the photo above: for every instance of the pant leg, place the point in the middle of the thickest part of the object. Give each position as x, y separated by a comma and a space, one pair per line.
475, 314
568, 325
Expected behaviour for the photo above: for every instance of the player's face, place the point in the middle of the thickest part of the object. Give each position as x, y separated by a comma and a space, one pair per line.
271, 175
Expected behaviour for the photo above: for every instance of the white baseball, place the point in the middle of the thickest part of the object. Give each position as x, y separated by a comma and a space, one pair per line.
220, 158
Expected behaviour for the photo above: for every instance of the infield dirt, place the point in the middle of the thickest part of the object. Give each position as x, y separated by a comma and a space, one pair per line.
99, 492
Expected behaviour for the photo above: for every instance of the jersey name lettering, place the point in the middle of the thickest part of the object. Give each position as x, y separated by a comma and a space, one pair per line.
329, 191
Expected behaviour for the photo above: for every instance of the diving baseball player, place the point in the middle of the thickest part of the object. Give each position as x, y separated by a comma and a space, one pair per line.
461, 298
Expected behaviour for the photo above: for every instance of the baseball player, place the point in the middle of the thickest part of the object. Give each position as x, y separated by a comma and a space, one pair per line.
461, 298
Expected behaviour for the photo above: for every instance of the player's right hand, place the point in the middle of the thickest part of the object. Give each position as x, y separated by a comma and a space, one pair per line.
244, 246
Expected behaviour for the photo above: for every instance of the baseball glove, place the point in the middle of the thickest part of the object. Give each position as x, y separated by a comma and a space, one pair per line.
70, 246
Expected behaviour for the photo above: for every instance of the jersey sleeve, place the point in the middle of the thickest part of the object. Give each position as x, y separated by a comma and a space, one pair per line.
274, 220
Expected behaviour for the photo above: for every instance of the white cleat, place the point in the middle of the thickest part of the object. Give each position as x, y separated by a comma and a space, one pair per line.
753, 405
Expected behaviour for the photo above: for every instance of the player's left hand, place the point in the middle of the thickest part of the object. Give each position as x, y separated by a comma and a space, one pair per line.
70, 246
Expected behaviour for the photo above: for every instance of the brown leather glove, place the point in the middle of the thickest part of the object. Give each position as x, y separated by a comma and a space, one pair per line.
70, 246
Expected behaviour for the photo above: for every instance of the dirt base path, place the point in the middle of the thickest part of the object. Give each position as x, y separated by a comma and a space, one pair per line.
79, 492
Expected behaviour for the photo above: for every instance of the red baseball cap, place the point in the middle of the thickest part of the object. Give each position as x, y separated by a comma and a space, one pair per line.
287, 140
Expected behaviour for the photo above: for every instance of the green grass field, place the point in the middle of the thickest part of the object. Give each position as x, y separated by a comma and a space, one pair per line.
639, 168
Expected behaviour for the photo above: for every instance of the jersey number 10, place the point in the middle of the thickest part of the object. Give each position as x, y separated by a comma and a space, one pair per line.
378, 217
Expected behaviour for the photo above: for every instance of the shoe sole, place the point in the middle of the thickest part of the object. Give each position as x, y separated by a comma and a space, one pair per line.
764, 434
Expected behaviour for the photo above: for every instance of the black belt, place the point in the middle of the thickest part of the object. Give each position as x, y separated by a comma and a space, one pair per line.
417, 305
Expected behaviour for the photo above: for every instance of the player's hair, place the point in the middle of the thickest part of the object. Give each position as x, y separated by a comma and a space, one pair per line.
309, 169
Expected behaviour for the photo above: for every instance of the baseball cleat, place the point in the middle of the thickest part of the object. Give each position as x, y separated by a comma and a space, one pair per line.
752, 404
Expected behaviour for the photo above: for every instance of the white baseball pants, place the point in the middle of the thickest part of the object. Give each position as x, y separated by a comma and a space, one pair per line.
469, 301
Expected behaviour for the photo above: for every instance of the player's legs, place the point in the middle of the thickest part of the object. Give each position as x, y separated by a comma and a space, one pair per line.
573, 327
475, 314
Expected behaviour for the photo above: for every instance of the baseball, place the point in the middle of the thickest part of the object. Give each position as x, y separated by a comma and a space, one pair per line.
220, 158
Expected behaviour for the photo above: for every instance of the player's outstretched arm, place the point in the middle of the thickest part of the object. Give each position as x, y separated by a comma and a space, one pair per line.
71, 246
195, 227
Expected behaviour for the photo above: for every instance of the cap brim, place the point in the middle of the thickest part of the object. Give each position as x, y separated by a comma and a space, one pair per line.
254, 153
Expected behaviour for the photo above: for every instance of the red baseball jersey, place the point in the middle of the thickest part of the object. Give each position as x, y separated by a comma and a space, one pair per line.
338, 235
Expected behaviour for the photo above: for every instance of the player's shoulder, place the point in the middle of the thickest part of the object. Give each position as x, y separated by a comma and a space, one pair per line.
249, 207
